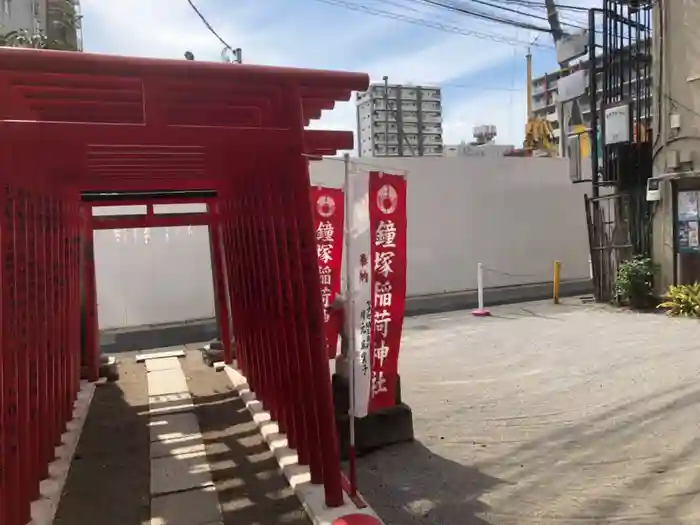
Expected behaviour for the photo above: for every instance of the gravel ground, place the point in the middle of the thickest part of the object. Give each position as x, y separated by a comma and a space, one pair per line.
246, 475
545, 414
108, 483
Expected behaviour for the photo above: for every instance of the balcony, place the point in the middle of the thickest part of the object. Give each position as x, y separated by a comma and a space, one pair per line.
409, 116
432, 118
409, 94
433, 95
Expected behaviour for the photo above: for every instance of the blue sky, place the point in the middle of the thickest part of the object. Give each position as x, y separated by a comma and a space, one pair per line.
483, 80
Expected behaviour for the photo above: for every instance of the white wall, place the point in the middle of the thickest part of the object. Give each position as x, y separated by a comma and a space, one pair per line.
152, 275
514, 215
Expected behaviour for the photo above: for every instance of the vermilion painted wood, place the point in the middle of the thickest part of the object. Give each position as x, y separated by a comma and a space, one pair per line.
267, 334
219, 281
123, 124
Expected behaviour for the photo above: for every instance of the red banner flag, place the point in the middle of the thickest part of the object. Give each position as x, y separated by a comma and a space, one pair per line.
387, 228
328, 205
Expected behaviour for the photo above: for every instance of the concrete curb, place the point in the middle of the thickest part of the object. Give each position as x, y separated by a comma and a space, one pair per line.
298, 476
44, 509
138, 338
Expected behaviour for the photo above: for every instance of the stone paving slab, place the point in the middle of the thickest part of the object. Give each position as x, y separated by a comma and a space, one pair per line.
170, 403
190, 446
173, 427
194, 507
165, 363
179, 473
166, 382
161, 353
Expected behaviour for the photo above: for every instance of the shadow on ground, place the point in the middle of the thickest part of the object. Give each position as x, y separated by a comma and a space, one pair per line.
245, 472
108, 482
409, 484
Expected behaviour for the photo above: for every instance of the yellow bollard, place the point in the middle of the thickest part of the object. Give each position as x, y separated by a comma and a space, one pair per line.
556, 281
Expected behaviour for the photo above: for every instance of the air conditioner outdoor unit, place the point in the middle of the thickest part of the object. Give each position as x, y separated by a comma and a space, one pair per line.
574, 153
653, 190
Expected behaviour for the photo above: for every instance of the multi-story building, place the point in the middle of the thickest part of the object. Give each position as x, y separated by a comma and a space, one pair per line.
402, 120
22, 14
545, 94
58, 20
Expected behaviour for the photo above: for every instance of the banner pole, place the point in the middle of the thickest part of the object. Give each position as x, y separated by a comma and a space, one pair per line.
349, 320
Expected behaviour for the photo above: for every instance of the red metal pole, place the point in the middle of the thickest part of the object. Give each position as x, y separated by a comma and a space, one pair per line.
230, 268
34, 347
289, 362
251, 244
5, 243
243, 256
272, 338
11, 458
23, 306
46, 444
91, 337
219, 282
319, 372
55, 432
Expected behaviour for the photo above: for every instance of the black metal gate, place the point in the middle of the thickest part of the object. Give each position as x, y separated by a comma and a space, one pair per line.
609, 240
618, 215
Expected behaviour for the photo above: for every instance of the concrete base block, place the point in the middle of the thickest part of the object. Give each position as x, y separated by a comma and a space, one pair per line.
378, 430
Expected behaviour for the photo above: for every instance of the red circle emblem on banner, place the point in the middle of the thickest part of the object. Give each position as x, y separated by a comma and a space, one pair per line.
325, 205
357, 519
387, 199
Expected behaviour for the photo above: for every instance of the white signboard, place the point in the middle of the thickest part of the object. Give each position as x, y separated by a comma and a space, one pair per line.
572, 86
617, 124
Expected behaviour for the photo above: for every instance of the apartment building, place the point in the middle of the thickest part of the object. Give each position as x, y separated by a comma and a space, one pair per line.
545, 93
399, 121
22, 14
59, 20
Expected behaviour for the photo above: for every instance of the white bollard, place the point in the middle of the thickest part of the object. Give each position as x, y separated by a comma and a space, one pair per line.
481, 311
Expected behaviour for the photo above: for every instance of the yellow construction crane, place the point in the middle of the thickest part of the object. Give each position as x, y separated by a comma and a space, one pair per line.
539, 135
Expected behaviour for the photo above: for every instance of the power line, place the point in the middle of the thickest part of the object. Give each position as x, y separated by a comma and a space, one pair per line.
209, 26
362, 8
484, 15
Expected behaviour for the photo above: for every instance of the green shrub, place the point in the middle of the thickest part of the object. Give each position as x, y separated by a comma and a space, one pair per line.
634, 282
682, 300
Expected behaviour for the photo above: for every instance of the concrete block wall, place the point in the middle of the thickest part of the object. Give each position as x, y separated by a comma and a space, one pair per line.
514, 215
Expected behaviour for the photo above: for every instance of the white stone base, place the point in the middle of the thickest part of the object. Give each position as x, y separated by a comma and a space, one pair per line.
312, 497
44, 509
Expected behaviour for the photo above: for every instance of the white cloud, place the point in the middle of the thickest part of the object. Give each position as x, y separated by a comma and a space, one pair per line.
166, 28
450, 57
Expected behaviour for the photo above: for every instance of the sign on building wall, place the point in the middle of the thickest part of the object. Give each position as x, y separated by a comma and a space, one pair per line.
688, 220
617, 124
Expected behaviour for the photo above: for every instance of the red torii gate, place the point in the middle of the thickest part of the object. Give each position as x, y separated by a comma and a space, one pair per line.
159, 131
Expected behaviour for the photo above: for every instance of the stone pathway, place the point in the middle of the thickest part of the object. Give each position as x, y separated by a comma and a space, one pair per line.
181, 488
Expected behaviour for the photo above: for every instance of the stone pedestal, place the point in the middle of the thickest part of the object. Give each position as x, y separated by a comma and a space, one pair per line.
215, 352
378, 430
